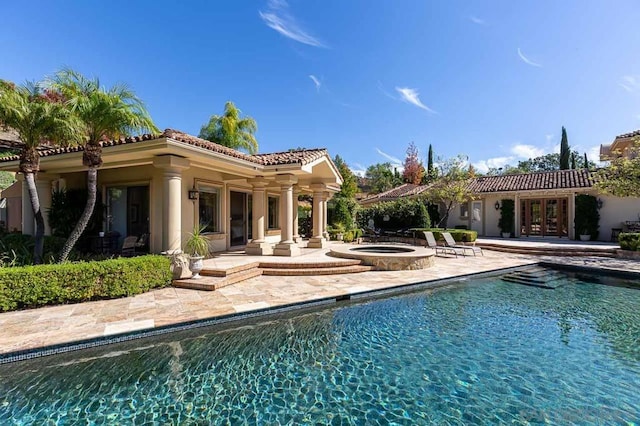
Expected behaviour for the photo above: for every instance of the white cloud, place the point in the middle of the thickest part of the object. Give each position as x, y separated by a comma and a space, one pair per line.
483, 166
526, 151
358, 171
394, 160
315, 81
412, 96
527, 60
630, 83
477, 20
593, 154
549, 137
278, 18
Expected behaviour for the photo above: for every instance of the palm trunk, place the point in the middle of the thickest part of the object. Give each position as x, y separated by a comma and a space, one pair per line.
38, 250
92, 180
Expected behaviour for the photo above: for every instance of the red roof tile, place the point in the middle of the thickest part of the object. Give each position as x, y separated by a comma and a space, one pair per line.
629, 135
302, 157
557, 179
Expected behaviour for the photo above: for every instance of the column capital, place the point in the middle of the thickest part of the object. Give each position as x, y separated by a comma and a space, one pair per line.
318, 187
258, 182
286, 180
171, 163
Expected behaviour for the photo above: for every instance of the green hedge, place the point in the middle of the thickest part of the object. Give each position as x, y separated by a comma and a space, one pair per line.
39, 285
629, 241
460, 235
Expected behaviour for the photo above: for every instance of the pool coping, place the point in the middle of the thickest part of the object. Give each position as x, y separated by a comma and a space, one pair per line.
77, 345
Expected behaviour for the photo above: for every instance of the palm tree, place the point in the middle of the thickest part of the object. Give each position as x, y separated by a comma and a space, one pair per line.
106, 114
230, 130
38, 116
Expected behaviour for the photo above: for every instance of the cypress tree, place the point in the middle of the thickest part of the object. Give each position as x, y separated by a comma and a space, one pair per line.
586, 161
430, 163
573, 160
564, 150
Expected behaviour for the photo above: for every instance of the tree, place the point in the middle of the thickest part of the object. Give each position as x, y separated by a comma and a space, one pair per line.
231, 130
573, 160
413, 168
344, 205
586, 162
105, 114
451, 187
382, 177
38, 116
349, 186
430, 169
622, 175
564, 150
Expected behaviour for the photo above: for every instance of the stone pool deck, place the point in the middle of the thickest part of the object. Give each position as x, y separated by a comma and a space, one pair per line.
37, 328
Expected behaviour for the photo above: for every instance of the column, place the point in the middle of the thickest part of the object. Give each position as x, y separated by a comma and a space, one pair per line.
516, 221
286, 246
318, 240
571, 215
325, 217
258, 246
28, 221
296, 234
172, 168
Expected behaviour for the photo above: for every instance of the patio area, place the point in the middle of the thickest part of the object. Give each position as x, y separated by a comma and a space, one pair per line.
37, 328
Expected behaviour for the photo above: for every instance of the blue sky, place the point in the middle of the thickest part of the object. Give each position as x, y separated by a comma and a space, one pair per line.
494, 80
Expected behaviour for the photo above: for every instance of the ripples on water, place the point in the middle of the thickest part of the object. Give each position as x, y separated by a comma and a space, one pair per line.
484, 352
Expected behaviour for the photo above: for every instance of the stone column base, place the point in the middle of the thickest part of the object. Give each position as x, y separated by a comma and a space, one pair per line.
286, 249
258, 249
297, 239
317, 243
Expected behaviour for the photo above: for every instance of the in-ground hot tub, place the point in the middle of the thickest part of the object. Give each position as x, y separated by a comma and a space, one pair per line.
387, 257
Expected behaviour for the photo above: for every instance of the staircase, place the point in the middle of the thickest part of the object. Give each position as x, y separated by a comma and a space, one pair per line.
213, 279
550, 251
538, 277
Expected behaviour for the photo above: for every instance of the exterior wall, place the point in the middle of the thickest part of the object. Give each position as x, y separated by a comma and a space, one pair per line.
614, 211
491, 215
454, 216
13, 195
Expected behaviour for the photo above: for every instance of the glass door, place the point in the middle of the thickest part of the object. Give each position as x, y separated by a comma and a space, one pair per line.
238, 220
535, 220
551, 217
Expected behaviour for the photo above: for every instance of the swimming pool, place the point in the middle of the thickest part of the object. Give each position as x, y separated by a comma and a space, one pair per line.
483, 351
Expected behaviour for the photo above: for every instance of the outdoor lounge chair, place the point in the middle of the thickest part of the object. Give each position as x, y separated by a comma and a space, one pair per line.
129, 246
450, 242
430, 241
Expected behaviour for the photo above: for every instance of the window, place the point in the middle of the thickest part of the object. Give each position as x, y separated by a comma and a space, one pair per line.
274, 212
464, 210
209, 208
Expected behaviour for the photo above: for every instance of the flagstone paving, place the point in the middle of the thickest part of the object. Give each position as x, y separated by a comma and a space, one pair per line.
29, 329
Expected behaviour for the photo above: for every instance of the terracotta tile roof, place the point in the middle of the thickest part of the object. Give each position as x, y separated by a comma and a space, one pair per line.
303, 156
293, 157
557, 179
629, 135
404, 190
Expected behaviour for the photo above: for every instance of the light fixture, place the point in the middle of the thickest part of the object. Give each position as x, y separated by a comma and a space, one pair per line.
497, 205
193, 194
600, 203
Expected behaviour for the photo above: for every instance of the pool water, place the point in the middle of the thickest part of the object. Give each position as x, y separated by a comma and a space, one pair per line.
481, 352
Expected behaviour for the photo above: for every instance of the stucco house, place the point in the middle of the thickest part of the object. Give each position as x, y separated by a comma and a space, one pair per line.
620, 147
164, 185
544, 204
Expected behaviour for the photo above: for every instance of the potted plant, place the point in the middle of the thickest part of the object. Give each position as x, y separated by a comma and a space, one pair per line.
586, 218
197, 246
507, 216
584, 235
336, 231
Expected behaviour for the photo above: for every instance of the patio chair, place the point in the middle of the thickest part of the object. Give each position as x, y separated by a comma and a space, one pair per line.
430, 241
129, 246
450, 242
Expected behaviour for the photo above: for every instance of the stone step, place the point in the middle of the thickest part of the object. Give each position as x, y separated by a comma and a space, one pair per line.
221, 272
317, 265
539, 251
316, 271
210, 283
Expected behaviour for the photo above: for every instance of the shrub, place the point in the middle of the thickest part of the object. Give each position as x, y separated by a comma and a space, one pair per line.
587, 217
40, 285
506, 223
17, 249
629, 241
402, 213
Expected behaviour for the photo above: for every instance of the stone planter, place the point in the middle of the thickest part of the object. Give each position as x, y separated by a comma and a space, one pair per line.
196, 264
585, 237
506, 235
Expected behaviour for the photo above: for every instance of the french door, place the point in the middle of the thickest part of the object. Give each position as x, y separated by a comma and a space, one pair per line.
544, 217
